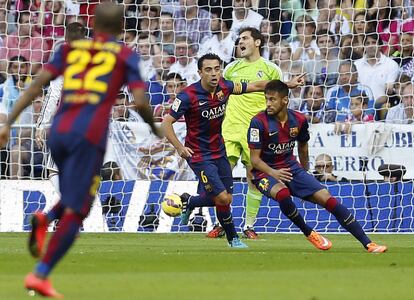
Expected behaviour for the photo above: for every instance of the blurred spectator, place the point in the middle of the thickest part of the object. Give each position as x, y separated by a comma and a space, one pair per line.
155, 86
7, 18
270, 33
295, 99
346, 50
110, 171
405, 56
377, 71
222, 40
145, 48
174, 84
244, 16
291, 9
385, 18
323, 69
129, 36
121, 110
304, 46
25, 42
329, 20
313, 105
324, 169
361, 26
185, 65
403, 112
359, 114
339, 96
192, 22
310, 9
166, 38
51, 19
149, 17
282, 56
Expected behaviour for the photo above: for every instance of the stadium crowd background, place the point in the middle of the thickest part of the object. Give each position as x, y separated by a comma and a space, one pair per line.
358, 55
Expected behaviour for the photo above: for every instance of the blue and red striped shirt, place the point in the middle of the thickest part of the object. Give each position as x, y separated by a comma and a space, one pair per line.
204, 113
276, 141
93, 73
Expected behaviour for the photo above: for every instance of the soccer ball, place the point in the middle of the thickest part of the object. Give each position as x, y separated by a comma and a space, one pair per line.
172, 205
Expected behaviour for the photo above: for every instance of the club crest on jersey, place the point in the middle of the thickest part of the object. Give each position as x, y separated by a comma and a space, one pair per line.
293, 132
220, 95
264, 184
254, 135
176, 104
260, 74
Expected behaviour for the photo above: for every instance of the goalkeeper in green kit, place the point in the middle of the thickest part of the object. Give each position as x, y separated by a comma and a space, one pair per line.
240, 110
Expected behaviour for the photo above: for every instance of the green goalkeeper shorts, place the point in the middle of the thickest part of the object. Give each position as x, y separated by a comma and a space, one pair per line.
236, 145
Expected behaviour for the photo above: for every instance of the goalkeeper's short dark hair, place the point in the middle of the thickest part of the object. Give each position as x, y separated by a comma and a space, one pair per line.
256, 35
277, 86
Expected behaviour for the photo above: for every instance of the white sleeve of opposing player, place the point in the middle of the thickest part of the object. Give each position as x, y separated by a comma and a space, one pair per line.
50, 103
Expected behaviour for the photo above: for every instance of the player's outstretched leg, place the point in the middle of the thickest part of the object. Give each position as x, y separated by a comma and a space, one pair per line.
347, 220
290, 210
216, 232
190, 202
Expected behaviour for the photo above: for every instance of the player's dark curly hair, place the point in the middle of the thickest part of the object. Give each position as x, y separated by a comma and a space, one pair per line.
277, 86
208, 56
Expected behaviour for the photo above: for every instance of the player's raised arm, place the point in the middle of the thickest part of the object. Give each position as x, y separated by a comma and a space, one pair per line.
257, 86
33, 91
167, 126
144, 109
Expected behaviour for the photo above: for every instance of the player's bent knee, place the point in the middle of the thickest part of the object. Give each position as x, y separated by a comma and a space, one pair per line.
283, 194
276, 188
223, 199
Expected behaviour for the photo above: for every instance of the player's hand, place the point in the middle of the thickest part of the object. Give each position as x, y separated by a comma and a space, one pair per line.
4, 135
296, 81
40, 136
185, 152
283, 175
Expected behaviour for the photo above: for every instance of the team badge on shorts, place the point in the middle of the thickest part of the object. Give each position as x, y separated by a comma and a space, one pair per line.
208, 187
220, 95
264, 184
293, 132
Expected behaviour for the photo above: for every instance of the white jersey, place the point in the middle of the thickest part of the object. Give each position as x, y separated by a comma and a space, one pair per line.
50, 103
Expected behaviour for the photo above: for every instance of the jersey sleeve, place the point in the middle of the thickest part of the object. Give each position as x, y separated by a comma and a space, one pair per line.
180, 106
303, 135
56, 62
133, 75
236, 88
255, 134
50, 103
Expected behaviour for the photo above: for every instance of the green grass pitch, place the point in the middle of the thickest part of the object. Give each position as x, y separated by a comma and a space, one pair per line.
190, 266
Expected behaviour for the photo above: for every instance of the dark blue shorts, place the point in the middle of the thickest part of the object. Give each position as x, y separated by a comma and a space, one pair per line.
214, 176
302, 185
79, 163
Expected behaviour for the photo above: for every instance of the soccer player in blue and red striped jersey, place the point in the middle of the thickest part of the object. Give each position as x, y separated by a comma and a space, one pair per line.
203, 105
93, 71
272, 136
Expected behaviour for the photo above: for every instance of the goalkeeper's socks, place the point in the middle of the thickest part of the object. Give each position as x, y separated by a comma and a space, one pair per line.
60, 242
55, 213
201, 200
347, 220
290, 210
253, 200
226, 221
